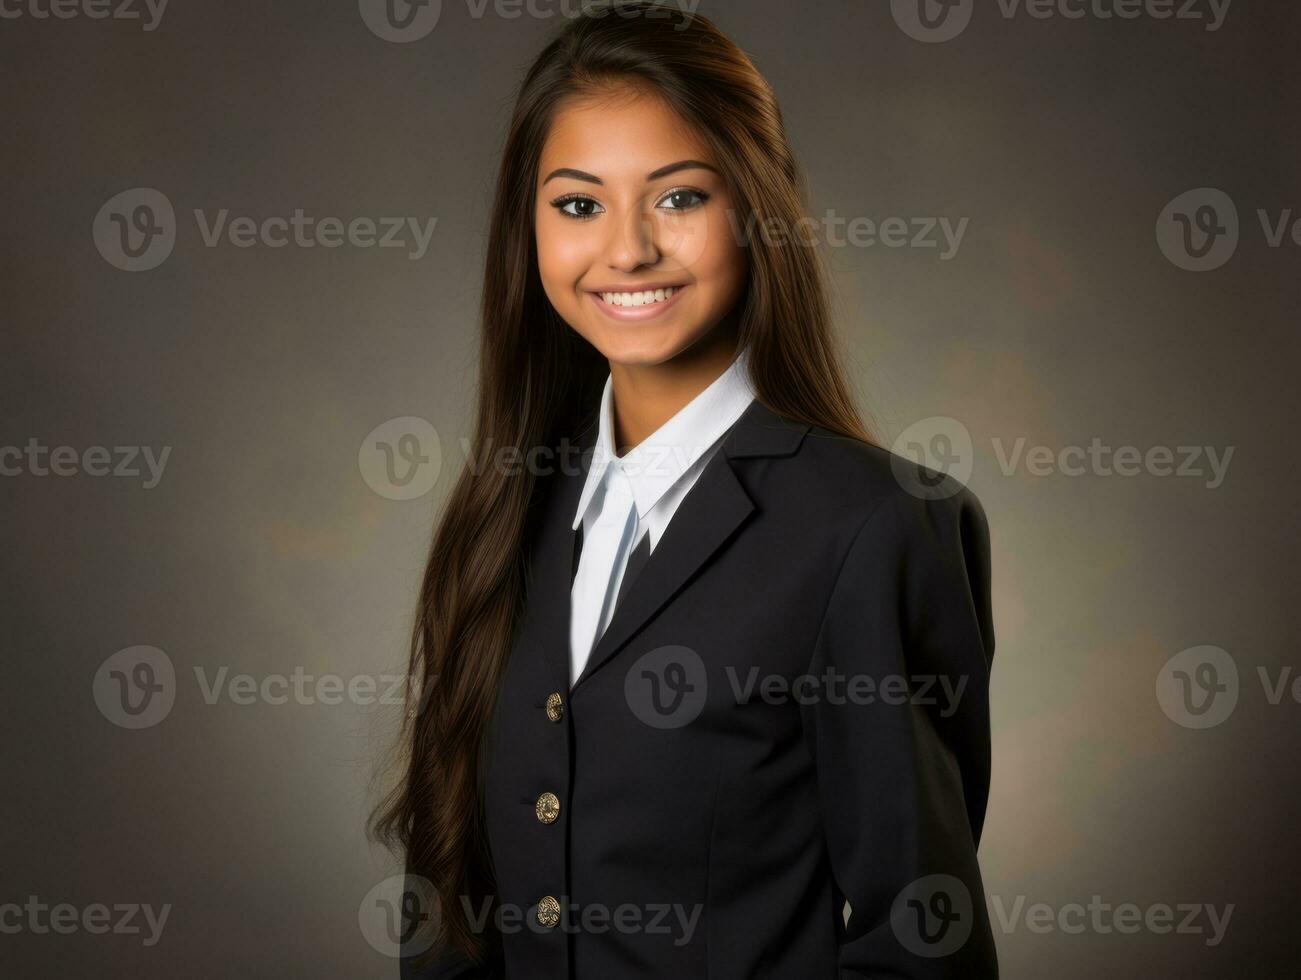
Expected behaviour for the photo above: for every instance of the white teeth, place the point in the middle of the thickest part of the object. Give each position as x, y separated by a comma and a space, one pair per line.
643, 298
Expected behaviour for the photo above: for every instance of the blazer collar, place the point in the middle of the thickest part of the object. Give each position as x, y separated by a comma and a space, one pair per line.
708, 517
660, 460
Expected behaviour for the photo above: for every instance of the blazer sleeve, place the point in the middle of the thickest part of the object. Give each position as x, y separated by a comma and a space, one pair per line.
902, 750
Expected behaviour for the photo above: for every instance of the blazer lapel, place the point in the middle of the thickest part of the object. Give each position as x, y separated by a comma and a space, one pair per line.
710, 514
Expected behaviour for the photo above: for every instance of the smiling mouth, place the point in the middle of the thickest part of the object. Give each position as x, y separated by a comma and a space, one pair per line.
634, 306
644, 297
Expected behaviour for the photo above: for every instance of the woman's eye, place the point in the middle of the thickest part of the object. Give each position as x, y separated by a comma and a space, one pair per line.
582, 207
683, 200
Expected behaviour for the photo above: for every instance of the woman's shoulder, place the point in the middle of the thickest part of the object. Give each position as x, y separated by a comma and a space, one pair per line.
847, 479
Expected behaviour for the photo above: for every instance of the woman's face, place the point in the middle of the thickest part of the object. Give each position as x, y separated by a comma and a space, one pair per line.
635, 248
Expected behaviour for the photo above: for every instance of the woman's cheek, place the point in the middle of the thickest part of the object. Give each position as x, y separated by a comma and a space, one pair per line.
570, 254
723, 263
687, 242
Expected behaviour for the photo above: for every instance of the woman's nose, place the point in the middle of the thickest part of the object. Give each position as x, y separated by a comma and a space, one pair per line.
634, 241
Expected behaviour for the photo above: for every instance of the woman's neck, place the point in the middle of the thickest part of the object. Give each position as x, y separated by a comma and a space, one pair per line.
645, 396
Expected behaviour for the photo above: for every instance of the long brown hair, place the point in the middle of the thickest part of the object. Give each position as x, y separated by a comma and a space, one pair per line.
537, 378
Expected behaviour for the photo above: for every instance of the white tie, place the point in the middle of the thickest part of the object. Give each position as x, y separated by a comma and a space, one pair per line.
607, 544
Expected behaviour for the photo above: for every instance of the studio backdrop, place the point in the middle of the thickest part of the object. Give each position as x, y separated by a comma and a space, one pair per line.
243, 251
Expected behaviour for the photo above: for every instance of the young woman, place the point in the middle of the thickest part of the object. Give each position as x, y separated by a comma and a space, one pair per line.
703, 663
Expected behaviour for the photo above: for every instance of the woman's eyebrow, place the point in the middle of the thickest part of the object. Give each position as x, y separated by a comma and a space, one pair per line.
680, 165
653, 175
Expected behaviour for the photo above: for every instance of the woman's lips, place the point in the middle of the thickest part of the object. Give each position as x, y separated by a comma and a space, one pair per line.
634, 313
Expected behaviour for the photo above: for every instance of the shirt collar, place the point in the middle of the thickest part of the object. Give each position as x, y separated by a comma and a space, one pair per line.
654, 465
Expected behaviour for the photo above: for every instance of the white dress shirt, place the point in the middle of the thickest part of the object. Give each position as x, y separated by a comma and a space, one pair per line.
659, 472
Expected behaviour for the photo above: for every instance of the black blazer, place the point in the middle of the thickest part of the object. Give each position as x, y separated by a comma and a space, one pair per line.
788, 710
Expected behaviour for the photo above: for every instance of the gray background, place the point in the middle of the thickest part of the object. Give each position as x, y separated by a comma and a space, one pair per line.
264, 548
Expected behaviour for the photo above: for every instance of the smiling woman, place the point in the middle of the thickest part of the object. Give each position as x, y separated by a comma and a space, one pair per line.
588, 791
634, 248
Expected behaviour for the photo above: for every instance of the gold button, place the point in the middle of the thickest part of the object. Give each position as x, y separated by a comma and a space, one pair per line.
547, 807
555, 707
548, 911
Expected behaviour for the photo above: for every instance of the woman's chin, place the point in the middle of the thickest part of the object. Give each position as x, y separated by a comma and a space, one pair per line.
641, 346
